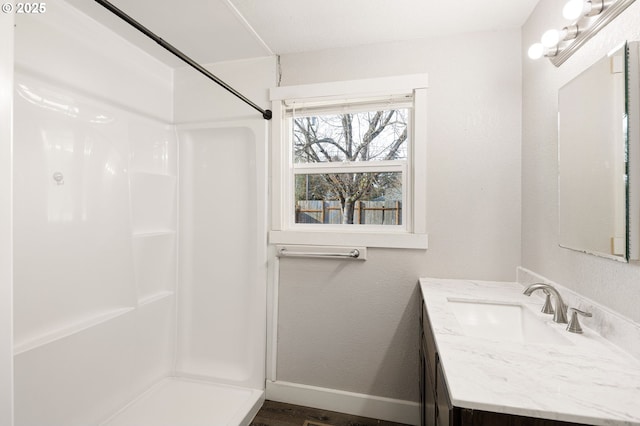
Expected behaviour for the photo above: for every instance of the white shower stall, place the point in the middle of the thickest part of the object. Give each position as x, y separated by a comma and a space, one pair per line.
139, 294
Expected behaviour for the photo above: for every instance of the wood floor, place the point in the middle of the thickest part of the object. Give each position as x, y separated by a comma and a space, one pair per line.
280, 414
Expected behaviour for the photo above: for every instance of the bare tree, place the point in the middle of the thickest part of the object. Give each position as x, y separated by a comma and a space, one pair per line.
357, 137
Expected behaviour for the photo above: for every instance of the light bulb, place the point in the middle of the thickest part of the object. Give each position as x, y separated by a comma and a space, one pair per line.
550, 38
536, 51
574, 9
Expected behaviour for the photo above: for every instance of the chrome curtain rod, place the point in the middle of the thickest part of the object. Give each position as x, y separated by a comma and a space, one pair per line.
266, 114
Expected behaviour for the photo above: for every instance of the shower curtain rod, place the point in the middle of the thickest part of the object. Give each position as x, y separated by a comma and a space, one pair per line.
266, 114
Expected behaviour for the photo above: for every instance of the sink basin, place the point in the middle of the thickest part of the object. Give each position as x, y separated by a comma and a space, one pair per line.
504, 322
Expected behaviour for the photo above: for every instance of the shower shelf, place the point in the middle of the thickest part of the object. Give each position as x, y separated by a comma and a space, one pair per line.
67, 330
158, 233
152, 174
155, 297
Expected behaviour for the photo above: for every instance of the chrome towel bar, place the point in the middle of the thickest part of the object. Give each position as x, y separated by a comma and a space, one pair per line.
310, 252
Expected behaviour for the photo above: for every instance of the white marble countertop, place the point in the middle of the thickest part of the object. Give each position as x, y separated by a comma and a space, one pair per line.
587, 380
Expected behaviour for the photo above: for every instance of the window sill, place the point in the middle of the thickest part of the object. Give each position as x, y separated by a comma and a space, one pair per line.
378, 239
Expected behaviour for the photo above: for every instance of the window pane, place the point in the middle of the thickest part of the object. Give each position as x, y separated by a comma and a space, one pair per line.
373, 198
361, 136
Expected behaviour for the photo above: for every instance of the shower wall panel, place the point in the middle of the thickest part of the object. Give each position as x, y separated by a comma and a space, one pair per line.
95, 180
76, 51
94, 266
6, 314
73, 252
222, 285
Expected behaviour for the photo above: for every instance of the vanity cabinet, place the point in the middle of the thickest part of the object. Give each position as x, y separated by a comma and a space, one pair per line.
436, 406
427, 376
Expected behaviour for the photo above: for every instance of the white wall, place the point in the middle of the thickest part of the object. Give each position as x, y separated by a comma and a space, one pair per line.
354, 326
6, 280
610, 283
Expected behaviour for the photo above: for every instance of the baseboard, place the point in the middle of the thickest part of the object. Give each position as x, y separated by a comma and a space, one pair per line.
393, 410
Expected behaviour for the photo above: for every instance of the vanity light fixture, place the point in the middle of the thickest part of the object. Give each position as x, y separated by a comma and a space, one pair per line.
575, 9
588, 17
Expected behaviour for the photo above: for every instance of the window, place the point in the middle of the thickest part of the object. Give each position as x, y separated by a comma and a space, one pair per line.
348, 163
349, 168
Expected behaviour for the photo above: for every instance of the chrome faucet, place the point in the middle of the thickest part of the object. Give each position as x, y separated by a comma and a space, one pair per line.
560, 309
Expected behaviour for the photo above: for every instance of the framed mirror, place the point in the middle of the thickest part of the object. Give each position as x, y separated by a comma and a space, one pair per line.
598, 157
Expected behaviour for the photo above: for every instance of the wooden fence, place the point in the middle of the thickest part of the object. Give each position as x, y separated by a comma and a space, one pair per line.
366, 212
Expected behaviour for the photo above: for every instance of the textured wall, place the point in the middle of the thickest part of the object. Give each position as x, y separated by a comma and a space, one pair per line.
613, 284
353, 326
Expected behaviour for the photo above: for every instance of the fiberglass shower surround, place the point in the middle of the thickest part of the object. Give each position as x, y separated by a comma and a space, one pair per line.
128, 307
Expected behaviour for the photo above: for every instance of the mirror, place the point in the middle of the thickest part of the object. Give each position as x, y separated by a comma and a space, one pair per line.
596, 146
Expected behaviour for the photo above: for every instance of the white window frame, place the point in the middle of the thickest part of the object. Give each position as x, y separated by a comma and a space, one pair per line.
412, 233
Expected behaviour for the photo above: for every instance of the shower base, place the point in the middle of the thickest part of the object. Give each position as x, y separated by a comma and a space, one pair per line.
177, 401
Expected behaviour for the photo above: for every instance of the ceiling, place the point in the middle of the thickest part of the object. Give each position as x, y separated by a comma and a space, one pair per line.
221, 30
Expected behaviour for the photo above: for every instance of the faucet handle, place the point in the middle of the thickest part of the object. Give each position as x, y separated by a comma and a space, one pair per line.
574, 324
547, 308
